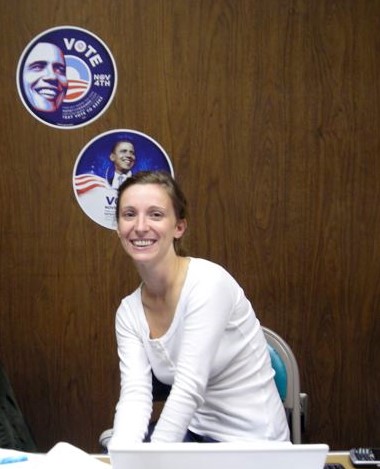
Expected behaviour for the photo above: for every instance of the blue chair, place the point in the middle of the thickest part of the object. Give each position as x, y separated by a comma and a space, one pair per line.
287, 380
281, 376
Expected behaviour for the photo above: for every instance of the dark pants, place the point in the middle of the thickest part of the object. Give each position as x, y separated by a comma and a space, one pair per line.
190, 436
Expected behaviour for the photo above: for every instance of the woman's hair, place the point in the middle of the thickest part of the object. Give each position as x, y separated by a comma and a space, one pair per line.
165, 180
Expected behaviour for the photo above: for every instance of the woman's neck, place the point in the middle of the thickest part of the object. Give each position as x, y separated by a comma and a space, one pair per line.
160, 279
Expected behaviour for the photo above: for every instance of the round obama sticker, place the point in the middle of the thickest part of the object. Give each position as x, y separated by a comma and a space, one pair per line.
106, 162
66, 77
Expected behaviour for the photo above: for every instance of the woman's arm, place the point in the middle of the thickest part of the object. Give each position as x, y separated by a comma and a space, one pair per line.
135, 403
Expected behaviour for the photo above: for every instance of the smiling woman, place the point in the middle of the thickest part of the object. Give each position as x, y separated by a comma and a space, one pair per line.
190, 324
148, 223
168, 194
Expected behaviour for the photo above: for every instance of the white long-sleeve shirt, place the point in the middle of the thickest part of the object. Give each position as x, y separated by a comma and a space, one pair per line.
214, 355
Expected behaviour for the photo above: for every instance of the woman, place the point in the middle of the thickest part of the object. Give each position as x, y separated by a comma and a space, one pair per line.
190, 323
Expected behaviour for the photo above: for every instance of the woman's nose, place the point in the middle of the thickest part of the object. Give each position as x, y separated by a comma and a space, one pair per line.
141, 224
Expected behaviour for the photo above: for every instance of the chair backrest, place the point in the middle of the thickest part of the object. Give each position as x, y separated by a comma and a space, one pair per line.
284, 363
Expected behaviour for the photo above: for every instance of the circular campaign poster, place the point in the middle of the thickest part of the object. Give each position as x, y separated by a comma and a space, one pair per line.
106, 162
66, 77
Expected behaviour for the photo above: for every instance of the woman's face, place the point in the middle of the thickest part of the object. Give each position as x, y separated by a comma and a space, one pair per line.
147, 223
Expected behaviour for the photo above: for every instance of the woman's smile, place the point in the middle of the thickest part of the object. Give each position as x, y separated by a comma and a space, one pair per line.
142, 243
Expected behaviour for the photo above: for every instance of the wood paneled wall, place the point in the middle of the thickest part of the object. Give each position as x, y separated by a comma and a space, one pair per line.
270, 112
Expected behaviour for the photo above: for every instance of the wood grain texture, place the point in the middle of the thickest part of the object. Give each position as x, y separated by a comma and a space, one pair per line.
270, 113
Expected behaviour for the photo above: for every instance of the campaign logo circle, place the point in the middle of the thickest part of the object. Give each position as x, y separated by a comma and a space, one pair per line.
66, 77
106, 162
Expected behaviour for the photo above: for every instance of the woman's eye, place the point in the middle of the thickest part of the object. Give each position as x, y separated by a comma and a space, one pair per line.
156, 215
128, 214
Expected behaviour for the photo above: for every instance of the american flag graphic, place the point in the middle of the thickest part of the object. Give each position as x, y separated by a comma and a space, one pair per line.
86, 182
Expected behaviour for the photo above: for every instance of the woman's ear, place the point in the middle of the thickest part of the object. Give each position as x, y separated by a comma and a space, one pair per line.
180, 228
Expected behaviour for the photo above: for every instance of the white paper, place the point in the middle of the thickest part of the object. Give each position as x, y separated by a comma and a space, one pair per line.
66, 456
61, 456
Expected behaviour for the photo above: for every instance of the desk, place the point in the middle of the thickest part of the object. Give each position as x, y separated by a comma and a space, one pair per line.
340, 457
102, 458
333, 457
